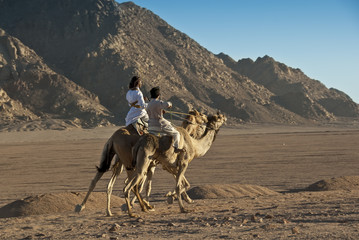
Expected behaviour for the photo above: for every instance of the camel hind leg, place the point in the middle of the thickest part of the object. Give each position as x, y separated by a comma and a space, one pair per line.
142, 165
80, 207
105, 162
117, 170
149, 175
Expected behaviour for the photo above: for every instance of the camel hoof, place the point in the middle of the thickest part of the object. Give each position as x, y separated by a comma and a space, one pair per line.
133, 215
150, 208
79, 208
170, 199
109, 214
186, 211
124, 207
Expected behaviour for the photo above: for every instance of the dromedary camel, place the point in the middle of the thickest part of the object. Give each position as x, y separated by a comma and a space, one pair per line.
120, 145
150, 148
195, 123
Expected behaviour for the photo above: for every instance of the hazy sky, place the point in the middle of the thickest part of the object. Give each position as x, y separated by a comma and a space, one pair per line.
321, 37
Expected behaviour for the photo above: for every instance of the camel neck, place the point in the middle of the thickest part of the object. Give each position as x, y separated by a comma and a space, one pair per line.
203, 144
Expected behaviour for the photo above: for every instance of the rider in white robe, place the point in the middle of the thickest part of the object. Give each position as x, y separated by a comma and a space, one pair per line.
137, 113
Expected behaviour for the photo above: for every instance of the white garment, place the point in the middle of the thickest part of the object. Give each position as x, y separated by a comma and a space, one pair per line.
135, 113
157, 121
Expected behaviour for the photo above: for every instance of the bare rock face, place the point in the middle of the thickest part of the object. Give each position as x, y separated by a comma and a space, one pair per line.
94, 47
294, 90
42, 92
12, 110
101, 44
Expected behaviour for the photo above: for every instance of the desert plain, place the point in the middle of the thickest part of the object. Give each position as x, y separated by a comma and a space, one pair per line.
252, 184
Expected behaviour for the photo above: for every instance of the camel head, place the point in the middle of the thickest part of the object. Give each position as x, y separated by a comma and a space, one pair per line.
195, 123
216, 121
200, 118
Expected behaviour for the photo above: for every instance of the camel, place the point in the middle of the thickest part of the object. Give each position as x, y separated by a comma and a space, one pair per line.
195, 123
120, 145
150, 148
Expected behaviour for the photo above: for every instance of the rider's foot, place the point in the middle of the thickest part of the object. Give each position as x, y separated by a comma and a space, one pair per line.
179, 150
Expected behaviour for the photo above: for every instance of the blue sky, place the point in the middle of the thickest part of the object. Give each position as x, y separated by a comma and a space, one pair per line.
321, 37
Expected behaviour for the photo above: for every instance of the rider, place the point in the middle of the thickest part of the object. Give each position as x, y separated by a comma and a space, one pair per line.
137, 114
156, 121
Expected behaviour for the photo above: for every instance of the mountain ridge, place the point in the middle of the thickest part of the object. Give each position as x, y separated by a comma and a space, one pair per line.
42, 93
100, 44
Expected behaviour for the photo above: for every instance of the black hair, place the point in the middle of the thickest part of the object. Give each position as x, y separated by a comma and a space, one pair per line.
155, 92
134, 82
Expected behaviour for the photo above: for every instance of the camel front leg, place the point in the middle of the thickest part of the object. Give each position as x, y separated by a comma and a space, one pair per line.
133, 186
171, 196
182, 169
186, 187
147, 180
140, 199
115, 174
150, 173
126, 191
80, 207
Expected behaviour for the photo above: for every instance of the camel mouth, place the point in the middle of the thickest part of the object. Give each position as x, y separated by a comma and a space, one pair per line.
216, 121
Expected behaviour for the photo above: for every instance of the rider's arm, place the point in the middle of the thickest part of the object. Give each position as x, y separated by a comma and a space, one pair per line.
140, 101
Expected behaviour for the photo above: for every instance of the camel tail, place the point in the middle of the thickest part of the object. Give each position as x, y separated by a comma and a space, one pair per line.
106, 157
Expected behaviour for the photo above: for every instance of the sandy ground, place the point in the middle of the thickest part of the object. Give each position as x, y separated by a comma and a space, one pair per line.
284, 160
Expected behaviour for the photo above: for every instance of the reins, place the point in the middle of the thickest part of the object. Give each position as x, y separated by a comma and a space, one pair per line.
177, 115
181, 113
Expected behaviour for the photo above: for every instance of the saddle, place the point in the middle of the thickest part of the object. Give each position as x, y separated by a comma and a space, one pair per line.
140, 126
157, 131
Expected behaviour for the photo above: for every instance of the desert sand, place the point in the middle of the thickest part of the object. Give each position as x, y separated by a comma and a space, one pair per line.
256, 182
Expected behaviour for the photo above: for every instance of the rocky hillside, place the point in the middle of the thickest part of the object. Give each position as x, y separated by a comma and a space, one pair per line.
293, 89
12, 110
96, 46
31, 90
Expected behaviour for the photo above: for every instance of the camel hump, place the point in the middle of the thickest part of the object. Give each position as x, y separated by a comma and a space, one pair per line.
148, 141
165, 143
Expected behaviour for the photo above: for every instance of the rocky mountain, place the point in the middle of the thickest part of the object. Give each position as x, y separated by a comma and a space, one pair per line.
96, 46
31, 90
293, 89
12, 110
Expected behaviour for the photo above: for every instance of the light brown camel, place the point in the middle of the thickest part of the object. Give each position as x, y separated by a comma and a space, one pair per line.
150, 148
195, 123
120, 145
